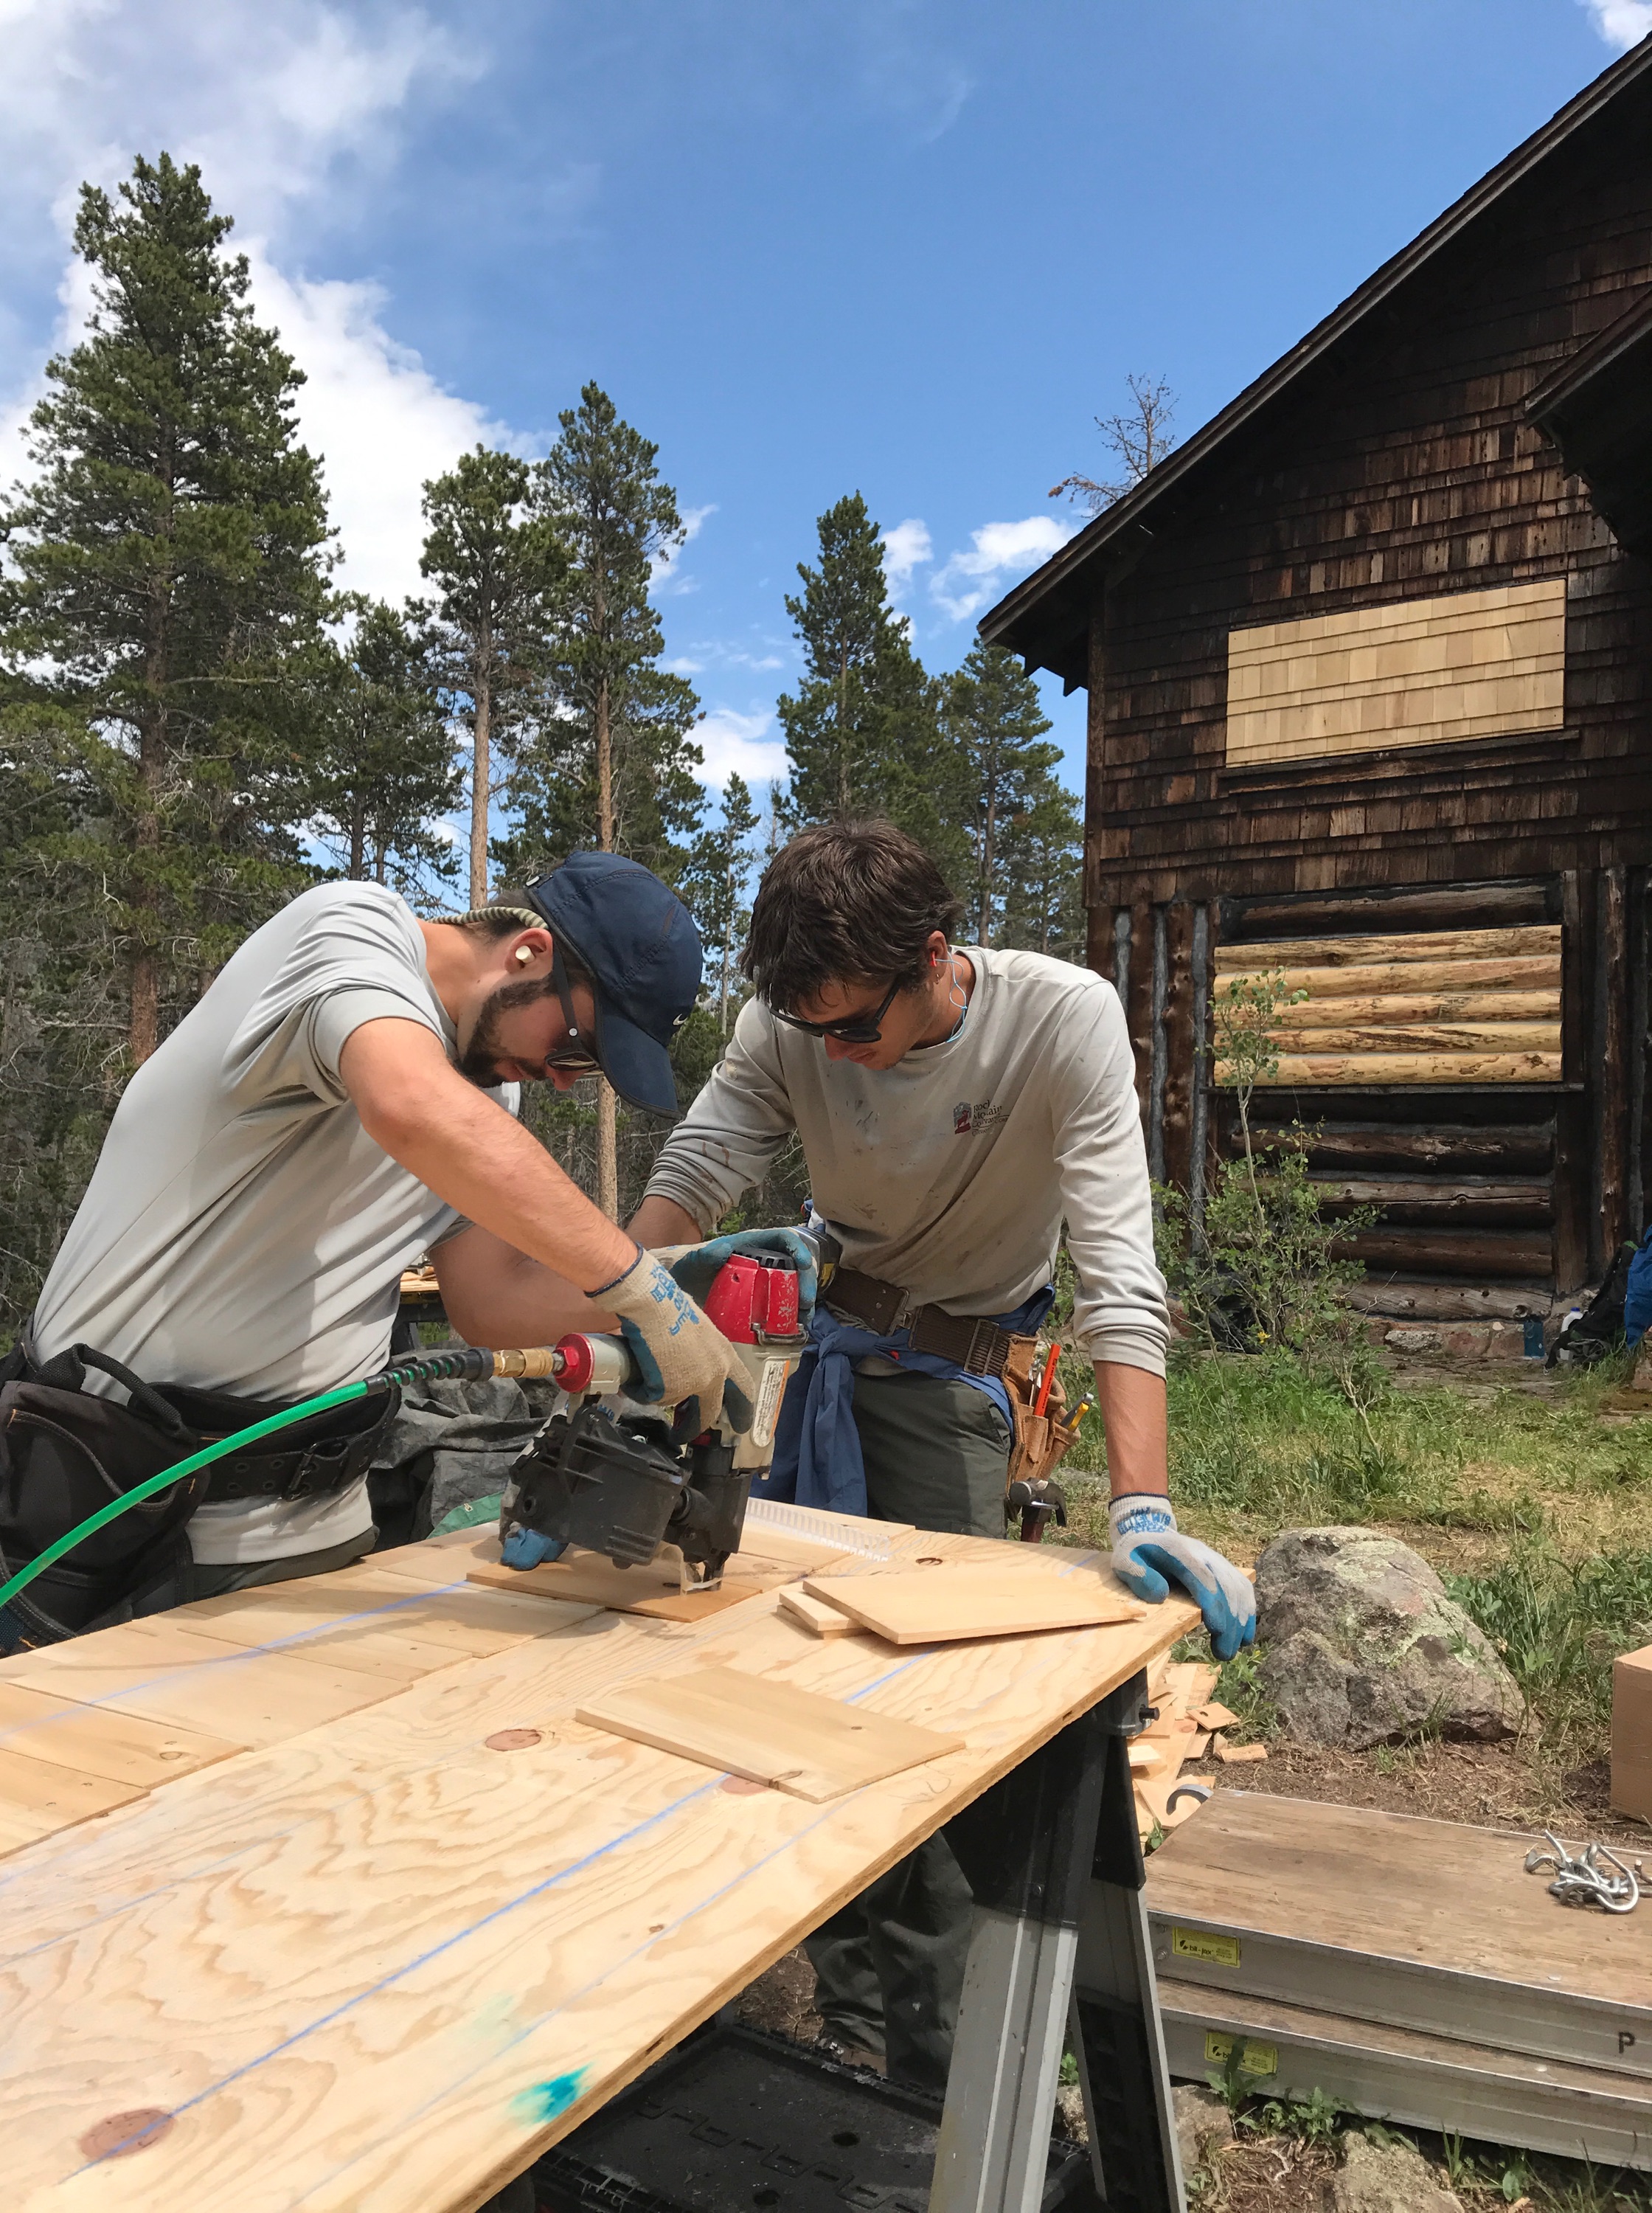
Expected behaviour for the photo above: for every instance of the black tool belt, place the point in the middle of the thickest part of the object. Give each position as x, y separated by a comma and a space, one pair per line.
974, 1341
327, 1452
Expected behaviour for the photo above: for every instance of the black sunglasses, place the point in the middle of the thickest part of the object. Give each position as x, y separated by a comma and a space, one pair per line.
854, 1029
572, 1058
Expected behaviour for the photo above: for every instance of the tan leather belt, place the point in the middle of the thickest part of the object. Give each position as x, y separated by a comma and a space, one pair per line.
974, 1341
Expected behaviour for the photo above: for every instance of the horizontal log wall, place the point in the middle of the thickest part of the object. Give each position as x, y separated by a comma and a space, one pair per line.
1360, 1019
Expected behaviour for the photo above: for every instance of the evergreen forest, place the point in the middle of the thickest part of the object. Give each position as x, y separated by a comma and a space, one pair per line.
196, 722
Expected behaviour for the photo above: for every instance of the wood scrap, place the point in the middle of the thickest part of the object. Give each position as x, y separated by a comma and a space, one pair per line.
1214, 1716
766, 1730
953, 1601
815, 1615
1181, 1693
1237, 1755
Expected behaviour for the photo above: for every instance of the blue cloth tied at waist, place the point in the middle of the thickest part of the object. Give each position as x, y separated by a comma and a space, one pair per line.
817, 1450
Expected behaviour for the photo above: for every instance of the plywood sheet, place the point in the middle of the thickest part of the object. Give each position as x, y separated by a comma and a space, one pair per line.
120, 1748
1449, 668
37, 1799
766, 1731
943, 1604
385, 1964
164, 1674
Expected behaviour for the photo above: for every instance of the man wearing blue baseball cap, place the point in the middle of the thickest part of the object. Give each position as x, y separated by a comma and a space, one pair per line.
342, 1100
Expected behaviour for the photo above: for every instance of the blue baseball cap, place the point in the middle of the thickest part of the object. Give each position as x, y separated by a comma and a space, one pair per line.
638, 943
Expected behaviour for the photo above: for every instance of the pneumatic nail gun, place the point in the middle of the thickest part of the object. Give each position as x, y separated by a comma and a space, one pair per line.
611, 1475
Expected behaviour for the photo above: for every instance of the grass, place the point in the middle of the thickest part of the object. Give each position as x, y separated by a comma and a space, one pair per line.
1534, 1507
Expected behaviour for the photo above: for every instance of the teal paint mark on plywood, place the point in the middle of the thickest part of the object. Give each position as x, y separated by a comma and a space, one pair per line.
543, 2102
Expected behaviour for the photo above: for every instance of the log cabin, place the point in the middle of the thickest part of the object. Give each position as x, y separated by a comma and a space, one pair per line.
1369, 663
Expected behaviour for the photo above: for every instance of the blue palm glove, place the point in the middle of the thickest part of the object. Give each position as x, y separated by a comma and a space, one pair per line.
696, 1269
526, 1548
1149, 1552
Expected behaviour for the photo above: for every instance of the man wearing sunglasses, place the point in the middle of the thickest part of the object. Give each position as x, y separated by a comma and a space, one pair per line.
958, 1109
343, 1099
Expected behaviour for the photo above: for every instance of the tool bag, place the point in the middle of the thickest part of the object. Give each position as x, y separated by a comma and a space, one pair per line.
1041, 1441
65, 1452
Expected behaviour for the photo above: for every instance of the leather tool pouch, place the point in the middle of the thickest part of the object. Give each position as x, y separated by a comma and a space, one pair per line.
1041, 1441
64, 1452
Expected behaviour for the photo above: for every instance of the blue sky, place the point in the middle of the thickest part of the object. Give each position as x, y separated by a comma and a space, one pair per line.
907, 246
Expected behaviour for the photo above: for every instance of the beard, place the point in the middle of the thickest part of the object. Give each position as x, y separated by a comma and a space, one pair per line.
476, 1062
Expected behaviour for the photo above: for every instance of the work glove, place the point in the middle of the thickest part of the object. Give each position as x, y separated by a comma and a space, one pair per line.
678, 1353
528, 1548
1149, 1552
696, 1269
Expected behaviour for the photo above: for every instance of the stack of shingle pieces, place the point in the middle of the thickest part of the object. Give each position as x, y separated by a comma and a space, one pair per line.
1181, 1691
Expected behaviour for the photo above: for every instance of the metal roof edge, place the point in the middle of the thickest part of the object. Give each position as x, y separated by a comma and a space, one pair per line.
1061, 567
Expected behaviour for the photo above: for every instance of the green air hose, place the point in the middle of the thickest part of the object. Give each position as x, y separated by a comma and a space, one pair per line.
472, 1361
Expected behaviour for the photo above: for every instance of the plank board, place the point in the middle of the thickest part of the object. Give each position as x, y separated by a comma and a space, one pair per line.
1311, 1070
120, 1748
380, 1968
815, 1615
1424, 1924
768, 1732
937, 1605
37, 1799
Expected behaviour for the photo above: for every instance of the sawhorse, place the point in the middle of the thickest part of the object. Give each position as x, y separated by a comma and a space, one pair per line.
1059, 1952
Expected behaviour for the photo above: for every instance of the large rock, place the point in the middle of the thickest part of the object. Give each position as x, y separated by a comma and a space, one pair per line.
1362, 1645
1203, 2124
1388, 2178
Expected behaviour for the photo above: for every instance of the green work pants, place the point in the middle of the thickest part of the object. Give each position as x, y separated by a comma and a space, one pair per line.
889, 1968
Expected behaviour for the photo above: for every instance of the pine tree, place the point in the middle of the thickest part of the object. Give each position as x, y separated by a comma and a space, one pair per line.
862, 721
164, 585
389, 770
1043, 850
610, 760
499, 571
715, 885
992, 722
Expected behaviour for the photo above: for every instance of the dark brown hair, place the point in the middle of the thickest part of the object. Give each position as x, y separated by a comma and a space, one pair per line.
845, 903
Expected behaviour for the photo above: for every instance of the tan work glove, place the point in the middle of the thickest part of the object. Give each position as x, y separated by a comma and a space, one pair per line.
679, 1354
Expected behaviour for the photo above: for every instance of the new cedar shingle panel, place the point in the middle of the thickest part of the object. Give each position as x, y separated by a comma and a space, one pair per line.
1453, 668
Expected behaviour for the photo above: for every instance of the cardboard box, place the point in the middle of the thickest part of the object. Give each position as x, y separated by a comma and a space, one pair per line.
1631, 1734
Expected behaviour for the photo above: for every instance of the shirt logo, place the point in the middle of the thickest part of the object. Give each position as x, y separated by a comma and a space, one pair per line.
977, 1120
961, 1119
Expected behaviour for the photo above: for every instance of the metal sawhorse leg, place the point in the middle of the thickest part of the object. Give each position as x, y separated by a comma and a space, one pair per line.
1058, 1948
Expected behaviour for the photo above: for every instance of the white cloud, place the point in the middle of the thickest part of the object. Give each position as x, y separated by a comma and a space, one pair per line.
378, 419
280, 106
666, 575
741, 742
999, 552
1621, 23
905, 548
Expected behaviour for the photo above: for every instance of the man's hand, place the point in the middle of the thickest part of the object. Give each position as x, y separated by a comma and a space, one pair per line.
696, 1268
681, 1355
1149, 1551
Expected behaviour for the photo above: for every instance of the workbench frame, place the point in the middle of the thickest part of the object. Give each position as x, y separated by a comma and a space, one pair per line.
1059, 1948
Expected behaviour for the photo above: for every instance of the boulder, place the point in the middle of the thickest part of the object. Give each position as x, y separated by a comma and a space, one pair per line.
1388, 2178
1203, 2124
1360, 1645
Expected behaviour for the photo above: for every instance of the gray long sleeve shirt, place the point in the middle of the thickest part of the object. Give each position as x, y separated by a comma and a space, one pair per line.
951, 1173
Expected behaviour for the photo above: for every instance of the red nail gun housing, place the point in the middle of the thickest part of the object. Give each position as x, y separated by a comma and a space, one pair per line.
754, 1299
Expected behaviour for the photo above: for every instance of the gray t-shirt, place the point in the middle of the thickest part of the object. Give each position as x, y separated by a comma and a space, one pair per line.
951, 1173
241, 1231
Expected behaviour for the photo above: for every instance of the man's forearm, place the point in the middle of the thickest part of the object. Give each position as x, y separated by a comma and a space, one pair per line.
660, 1221
479, 1160
1131, 1404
